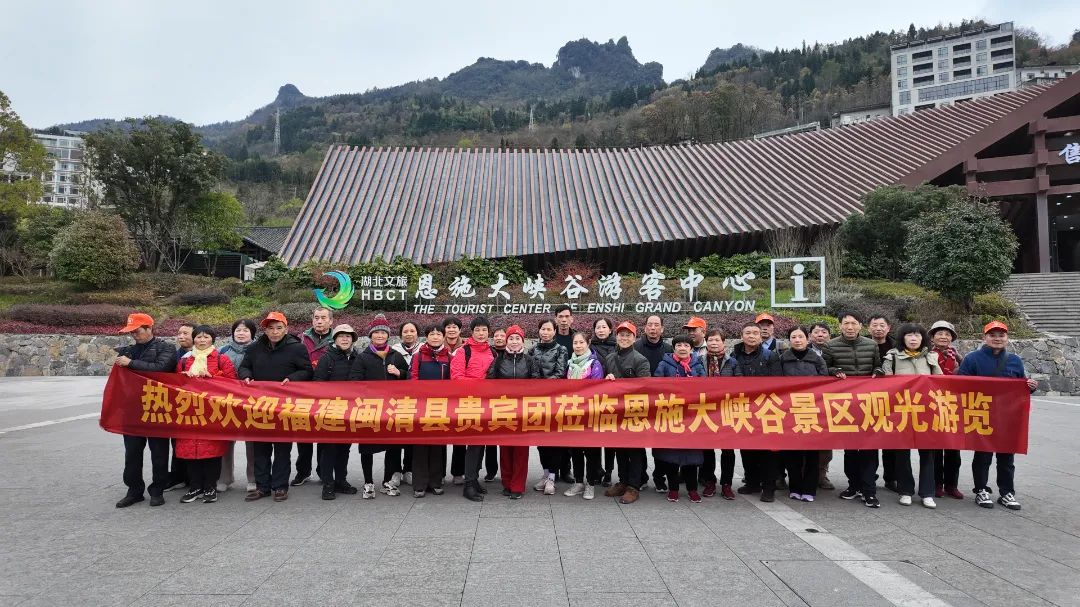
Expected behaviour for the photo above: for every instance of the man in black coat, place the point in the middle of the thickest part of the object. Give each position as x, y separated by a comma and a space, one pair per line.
148, 353
275, 356
752, 360
653, 347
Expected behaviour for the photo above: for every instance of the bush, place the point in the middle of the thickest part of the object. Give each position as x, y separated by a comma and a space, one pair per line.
231, 286
200, 298
69, 316
484, 272
715, 266
95, 250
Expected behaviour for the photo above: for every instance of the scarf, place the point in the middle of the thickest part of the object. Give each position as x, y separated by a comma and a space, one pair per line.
199, 358
578, 366
714, 364
413, 350
948, 359
685, 362
380, 351
912, 353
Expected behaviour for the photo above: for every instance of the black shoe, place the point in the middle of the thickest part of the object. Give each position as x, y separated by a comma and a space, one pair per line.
768, 495
516, 495
157, 500
300, 479
345, 488
129, 500
191, 496
850, 494
329, 493
506, 492
472, 493
872, 502
482, 489
209, 497
661, 485
748, 490
490, 478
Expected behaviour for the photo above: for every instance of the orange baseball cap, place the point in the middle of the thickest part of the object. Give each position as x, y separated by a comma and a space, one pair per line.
274, 317
696, 322
627, 326
137, 320
764, 316
995, 324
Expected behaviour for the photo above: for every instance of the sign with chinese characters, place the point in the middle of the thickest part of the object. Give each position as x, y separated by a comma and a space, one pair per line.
894, 412
1071, 153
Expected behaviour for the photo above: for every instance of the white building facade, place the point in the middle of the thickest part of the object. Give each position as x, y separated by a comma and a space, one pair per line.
1044, 74
953, 69
67, 184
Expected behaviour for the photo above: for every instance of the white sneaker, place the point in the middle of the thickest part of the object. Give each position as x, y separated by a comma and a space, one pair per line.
251, 487
589, 492
983, 499
549, 486
222, 487
389, 488
905, 500
541, 484
369, 491
928, 502
575, 490
407, 478
395, 479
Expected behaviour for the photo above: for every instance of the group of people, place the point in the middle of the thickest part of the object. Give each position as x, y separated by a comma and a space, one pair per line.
441, 351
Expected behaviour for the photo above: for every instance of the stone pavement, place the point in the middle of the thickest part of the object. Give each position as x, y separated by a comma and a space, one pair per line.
63, 542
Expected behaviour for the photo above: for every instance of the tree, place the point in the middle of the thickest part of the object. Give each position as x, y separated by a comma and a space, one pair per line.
213, 222
154, 174
875, 239
96, 251
22, 154
961, 250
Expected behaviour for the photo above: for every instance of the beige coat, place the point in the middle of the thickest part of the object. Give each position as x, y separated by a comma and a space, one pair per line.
898, 362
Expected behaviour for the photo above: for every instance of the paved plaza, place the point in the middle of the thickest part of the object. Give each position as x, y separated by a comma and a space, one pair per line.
64, 542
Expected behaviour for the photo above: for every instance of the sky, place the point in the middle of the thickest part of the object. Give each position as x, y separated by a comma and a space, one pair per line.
211, 61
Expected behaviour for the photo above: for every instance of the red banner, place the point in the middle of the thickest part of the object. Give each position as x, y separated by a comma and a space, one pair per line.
907, 412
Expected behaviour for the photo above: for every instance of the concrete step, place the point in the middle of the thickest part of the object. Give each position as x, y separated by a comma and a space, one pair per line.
1051, 302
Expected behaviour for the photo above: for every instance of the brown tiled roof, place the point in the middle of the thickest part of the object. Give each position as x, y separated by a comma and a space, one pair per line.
434, 205
268, 239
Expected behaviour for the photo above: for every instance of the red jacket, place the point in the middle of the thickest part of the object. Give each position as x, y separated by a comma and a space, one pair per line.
480, 358
199, 448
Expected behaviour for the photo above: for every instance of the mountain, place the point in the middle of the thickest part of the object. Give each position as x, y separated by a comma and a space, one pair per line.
727, 56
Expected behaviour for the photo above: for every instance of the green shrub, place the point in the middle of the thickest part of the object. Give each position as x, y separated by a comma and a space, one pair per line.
95, 251
200, 298
231, 286
484, 272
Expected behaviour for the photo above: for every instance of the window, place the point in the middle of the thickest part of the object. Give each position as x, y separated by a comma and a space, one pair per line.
961, 74
962, 48
964, 88
980, 71
47, 198
980, 45
981, 57
924, 80
901, 84
925, 106
943, 64
901, 71
1001, 40
922, 55
962, 60
943, 77
905, 97
943, 51
901, 60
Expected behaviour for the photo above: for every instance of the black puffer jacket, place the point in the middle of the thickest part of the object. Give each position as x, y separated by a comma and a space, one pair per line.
335, 364
628, 363
551, 357
155, 355
653, 352
808, 366
264, 361
369, 366
603, 347
856, 357
759, 363
515, 366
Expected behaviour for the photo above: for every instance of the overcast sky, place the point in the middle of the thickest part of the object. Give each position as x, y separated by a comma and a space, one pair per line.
207, 61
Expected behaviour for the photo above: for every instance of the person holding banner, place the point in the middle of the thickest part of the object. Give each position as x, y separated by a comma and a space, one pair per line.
242, 335
799, 360
676, 463
409, 345
857, 356
551, 356
753, 360
275, 356
603, 344
515, 363
203, 456
716, 360
336, 365
946, 461
148, 353
991, 360
472, 361
820, 333
623, 363
451, 326
432, 361
584, 364
317, 340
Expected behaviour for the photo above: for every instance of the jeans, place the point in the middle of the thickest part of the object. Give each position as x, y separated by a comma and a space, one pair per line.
1006, 471
272, 466
133, 464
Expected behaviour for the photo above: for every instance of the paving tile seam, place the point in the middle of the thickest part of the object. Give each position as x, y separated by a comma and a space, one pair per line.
991, 533
623, 510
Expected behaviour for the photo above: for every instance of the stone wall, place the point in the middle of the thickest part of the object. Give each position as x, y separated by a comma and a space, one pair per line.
1054, 361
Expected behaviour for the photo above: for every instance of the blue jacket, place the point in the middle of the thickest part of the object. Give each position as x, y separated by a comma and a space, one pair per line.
669, 367
984, 363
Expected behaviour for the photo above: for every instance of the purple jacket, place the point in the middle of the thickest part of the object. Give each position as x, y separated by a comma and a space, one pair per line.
596, 369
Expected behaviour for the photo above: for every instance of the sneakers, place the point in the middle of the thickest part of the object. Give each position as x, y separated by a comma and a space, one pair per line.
210, 496
395, 479
748, 489
871, 502
825, 483
418, 493
850, 494
369, 491
983, 499
795, 496
954, 493
254, 495
726, 492
629, 496
616, 490
807, 497
407, 478
459, 480
191, 496
905, 500
1009, 501
673, 495
661, 485
345, 488
300, 479
516, 495
768, 495
390, 489
157, 500
695, 497
541, 484
328, 492
506, 491
589, 492
129, 500
575, 490
710, 489
281, 495
489, 478
928, 502
222, 487
549, 486
438, 490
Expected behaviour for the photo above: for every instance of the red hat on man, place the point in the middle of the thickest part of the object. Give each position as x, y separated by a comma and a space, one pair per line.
696, 322
763, 317
626, 325
995, 324
274, 317
136, 320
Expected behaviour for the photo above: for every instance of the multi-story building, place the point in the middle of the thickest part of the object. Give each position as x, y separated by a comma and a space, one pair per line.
952, 69
67, 184
858, 115
1044, 74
